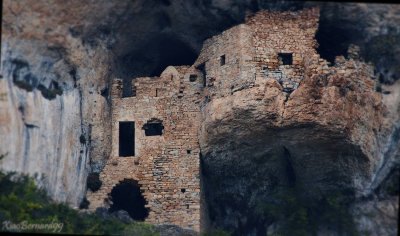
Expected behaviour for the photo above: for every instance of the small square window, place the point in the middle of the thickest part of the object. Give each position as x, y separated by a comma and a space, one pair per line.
285, 58
188, 151
192, 78
222, 60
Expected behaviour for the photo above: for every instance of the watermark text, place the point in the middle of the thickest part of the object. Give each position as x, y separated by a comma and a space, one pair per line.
54, 227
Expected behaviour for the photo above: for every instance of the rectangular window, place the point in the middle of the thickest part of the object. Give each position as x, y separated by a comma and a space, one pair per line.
153, 127
128, 90
285, 58
126, 138
222, 60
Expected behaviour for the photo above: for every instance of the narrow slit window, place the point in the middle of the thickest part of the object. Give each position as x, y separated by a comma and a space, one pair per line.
222, 60
126, 138
285, 58
133, 91
202, 69
153, 127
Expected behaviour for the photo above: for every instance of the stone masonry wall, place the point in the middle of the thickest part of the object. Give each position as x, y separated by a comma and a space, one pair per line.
283, 32
166, 166
236, 73
251, 50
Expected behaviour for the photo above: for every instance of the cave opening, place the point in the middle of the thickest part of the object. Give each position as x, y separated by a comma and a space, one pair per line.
127, 196
273, 191
153, 56
173, 52
126, 138
334, 38
331, 44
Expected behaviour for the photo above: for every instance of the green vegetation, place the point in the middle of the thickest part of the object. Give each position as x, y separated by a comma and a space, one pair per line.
297, 216
216, 232
22, 203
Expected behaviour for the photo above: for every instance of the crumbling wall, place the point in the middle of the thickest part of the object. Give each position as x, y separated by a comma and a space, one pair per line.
166, 166
235, 71
291, 33
234, 59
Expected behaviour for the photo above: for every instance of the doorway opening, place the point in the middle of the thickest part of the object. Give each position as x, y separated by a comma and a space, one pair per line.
126, 138
127, 196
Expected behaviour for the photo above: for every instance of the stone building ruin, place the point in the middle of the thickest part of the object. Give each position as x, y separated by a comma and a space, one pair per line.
155, 128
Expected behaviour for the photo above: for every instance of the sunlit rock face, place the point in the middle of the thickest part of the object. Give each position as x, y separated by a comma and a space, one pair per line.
58, 58
54, 98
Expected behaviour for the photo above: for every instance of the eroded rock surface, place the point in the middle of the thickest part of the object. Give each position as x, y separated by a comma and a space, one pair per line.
58, 58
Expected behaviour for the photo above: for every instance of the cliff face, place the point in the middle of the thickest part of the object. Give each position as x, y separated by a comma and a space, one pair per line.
54, 97
320, 140
58, 58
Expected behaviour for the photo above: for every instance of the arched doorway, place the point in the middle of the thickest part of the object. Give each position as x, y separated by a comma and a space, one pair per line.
127, 196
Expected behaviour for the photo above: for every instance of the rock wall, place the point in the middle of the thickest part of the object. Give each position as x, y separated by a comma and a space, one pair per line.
52, 124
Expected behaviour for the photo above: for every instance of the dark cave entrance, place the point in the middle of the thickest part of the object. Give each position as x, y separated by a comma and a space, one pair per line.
127, 196
285, 188
153, 56
335, 36
333, 41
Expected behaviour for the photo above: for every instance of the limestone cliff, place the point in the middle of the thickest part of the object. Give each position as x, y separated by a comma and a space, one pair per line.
58, 59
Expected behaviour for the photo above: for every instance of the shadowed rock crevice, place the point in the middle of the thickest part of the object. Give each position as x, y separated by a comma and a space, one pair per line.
277, 166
